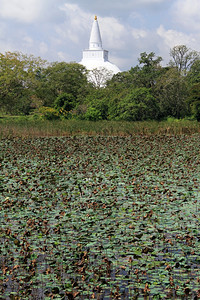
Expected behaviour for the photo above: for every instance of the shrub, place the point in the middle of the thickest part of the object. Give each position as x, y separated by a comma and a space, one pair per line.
49, 113
93, 114
65, 101
195, 107
80, 111
138, 105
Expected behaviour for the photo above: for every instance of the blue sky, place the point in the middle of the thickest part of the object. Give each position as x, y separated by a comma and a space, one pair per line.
58, 30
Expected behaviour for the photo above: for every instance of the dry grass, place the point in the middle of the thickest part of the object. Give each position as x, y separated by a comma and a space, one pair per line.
24, 127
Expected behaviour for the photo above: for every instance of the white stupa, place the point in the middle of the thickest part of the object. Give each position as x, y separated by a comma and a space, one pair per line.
96, 57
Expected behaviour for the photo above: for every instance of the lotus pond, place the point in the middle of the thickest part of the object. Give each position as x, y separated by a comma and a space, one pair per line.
100, 217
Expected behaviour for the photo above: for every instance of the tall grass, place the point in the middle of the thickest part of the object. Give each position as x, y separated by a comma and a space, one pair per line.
27, 127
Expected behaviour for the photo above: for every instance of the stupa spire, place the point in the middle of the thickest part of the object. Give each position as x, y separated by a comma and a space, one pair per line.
95, 36
96, 57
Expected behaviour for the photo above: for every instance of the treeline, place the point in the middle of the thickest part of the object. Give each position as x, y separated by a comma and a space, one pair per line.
30, 85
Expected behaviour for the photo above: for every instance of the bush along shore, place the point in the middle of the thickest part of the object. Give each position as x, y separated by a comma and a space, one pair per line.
30, 127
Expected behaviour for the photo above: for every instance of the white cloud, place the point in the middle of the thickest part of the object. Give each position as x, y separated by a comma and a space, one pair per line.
20, 10
75, 24
124, 42
113, 33
60, 29
117, 38
187, 13
139, 33
43, 48
172, 37
2, 30
150, 1
62, 56
31, 11
28, 42
115, 5
76, 18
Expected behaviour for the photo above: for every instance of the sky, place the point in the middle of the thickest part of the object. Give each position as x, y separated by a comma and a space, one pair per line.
58, 30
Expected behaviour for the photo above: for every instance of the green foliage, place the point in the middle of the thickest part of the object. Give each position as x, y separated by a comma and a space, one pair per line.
149, 60
193, 76
49, 113
138, 105
146, 91
195, 108
171, 91
133, 105
148, 71
35, 126
97, 100
65, 101
183, 58
83, 217
18, 81
93, 114
79, 111
62, 78
24, 105
194, 100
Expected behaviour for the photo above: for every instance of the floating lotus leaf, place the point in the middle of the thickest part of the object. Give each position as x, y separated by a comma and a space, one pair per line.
100, 217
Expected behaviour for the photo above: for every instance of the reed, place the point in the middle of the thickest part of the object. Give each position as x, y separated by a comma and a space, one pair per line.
27, 127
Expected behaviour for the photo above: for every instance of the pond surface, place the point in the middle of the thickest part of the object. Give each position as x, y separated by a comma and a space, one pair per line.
100, 217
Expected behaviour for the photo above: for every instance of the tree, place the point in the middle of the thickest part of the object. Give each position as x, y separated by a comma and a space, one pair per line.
194, 100
193, 76
99, 76
171, 92
18, 81
149, 69
183, 58
65, 101
138, 105
122, 80
62, 77
126, 88
97, 104
149, 60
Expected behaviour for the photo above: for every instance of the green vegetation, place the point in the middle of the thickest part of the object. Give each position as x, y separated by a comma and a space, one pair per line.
148, 91
100, 217
27, 126
99, 183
